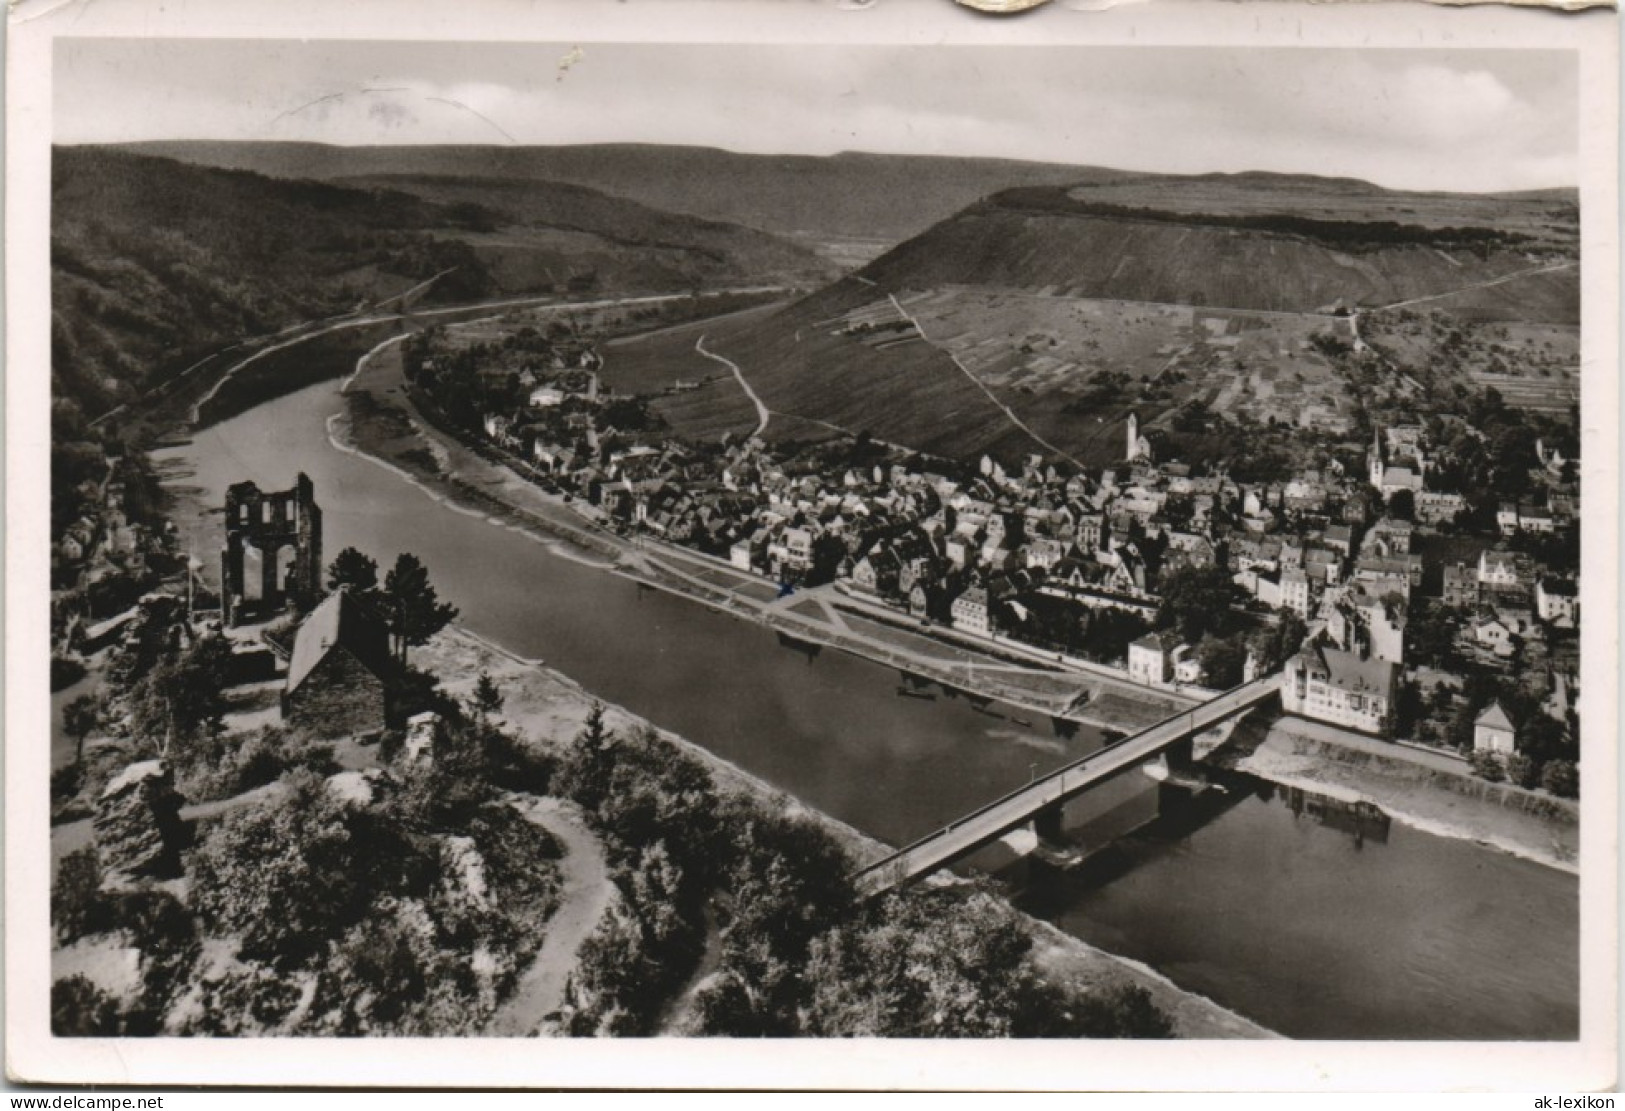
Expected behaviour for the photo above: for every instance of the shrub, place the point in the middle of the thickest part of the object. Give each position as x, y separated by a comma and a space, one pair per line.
80, 1009
65, 672
1487, 765
285, 876
1522, 770
78, 906
1561, 778
1125, 1012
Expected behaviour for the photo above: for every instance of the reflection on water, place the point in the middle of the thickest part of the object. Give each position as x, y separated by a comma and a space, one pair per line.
1316, 919
1328, 919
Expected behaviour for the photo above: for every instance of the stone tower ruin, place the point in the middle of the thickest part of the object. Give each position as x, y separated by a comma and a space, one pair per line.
268, 523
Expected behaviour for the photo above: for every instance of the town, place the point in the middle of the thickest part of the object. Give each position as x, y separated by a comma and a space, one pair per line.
1399, 602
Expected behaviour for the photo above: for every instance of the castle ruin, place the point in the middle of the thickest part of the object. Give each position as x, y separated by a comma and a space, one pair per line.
269, 523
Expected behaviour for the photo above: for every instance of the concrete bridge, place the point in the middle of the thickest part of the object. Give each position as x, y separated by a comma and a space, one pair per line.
1040, 802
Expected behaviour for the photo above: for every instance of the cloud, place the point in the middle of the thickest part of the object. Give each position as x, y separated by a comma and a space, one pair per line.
1409, 118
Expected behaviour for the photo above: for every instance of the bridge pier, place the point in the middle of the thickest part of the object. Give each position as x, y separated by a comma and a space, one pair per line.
1048, 824
1176, 766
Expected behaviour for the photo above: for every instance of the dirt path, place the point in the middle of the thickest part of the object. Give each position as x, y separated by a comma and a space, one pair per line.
1502, 280
585, 896
979, 384
762, 414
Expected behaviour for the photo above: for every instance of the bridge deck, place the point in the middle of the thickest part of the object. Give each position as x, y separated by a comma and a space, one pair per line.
992, 821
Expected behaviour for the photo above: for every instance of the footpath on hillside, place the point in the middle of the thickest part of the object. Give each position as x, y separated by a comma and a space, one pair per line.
585, 894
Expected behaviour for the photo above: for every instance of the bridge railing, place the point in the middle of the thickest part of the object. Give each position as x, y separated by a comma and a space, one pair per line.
897, 859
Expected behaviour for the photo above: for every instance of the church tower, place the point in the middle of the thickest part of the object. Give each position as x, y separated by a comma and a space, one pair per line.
1133, 438
1373, 458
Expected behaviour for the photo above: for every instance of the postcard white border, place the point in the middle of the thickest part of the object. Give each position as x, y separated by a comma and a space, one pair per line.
1589, 1064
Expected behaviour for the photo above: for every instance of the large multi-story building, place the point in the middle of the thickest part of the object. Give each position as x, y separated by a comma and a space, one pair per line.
970, 612
1331, 685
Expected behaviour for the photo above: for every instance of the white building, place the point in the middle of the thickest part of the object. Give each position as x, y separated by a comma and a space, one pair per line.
1498, 570
1557, 601
970, 613
1150, 660
1295, 592
1493, 732
1328, 684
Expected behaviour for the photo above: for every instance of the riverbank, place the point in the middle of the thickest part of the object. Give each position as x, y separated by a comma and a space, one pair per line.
549, 708
1418, 792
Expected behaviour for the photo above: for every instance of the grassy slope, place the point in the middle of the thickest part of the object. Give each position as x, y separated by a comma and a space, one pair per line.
1007, 244
913, 394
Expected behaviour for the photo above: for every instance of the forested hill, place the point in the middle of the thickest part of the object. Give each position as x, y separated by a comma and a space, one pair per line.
883, 197
155, 262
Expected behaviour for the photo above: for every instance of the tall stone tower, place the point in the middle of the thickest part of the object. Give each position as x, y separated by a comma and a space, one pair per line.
1133, 438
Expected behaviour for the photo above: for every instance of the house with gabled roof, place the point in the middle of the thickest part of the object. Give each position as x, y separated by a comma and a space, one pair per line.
340, 671
1331, 685
1494, 733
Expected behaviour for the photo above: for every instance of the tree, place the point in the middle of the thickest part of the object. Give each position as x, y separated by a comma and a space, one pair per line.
413, 609
181, 701
586, 770
487, 698
1197, 601
80, 1009
928, 965
79, 717
1561, 778
1542, 737
78, 907
1273, 645
1223, 661
285, 876
353, 568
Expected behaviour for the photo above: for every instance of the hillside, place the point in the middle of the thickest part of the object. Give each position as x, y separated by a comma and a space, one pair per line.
1275, 259
848, 205
563, 234
155, 262
1037, 318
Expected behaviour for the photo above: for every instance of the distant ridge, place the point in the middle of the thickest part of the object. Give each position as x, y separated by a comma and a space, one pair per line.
155, 261
858, 195
850, 195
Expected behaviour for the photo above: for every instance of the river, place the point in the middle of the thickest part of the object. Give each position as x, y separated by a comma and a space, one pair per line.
1289, 918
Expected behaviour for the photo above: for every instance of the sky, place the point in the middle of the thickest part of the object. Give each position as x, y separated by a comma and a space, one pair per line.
1468, 120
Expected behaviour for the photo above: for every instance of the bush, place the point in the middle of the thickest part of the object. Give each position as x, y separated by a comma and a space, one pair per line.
1487, 765
256, 759
80, 1009
78, 906
1522, 770
286, 876
1125, 1012
65, 672
1561, 778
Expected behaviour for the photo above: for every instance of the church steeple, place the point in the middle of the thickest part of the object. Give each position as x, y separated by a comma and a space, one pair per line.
1375, 463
